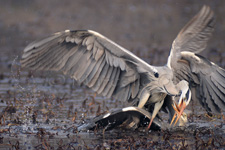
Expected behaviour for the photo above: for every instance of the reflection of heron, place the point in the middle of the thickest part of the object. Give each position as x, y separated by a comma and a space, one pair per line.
112, 71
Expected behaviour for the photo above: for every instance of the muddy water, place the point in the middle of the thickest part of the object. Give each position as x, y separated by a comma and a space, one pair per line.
41, 110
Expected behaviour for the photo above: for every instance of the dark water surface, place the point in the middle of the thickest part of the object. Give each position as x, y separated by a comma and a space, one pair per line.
41, 110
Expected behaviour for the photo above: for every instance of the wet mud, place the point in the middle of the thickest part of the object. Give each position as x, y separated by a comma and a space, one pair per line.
42, 110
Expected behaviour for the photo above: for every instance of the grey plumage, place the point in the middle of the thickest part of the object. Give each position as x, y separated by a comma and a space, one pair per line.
111, 70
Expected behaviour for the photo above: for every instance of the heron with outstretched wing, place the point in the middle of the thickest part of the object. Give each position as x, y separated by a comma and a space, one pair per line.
113, 71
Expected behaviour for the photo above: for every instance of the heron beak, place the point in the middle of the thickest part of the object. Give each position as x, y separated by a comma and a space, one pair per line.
179, 110
182, 107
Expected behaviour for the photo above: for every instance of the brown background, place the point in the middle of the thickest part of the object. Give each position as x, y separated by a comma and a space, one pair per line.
145, 27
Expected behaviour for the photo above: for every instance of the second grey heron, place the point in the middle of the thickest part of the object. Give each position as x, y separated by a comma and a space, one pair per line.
113, 71
126, 118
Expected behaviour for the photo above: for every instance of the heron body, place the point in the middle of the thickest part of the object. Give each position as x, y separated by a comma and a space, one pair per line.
112, 71
128, 118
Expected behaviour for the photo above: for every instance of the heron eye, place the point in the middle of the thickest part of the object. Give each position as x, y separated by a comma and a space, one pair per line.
156, 74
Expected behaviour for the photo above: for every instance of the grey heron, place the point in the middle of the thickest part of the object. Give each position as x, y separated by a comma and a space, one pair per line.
127, 118
112, 71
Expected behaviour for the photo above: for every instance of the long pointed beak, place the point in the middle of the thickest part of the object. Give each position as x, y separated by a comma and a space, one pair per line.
183, 106
179, 109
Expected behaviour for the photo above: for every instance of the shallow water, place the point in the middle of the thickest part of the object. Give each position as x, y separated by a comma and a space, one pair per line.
41, 110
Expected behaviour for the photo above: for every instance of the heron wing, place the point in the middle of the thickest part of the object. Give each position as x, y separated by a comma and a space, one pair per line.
207, 80
91, 59
195, 34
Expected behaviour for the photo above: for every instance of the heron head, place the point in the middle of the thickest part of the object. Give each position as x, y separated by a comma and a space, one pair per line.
185, 97
182, 104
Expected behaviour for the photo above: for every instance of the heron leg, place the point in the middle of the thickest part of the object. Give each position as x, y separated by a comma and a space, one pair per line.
157, 107
143, 99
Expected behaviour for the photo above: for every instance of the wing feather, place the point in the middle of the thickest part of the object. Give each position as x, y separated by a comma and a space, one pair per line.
134, 89
79, 64
72, 61
114, 83
207, 80
208, 98
194, 36
91, 59
110, 83
205, 77
101, 78
105, 80
95, 77
93, 72
42, 58
88, 71
84, 65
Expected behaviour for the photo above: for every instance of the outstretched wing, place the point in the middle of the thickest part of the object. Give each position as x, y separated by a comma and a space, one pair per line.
207, 80
91, 59
194, 36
